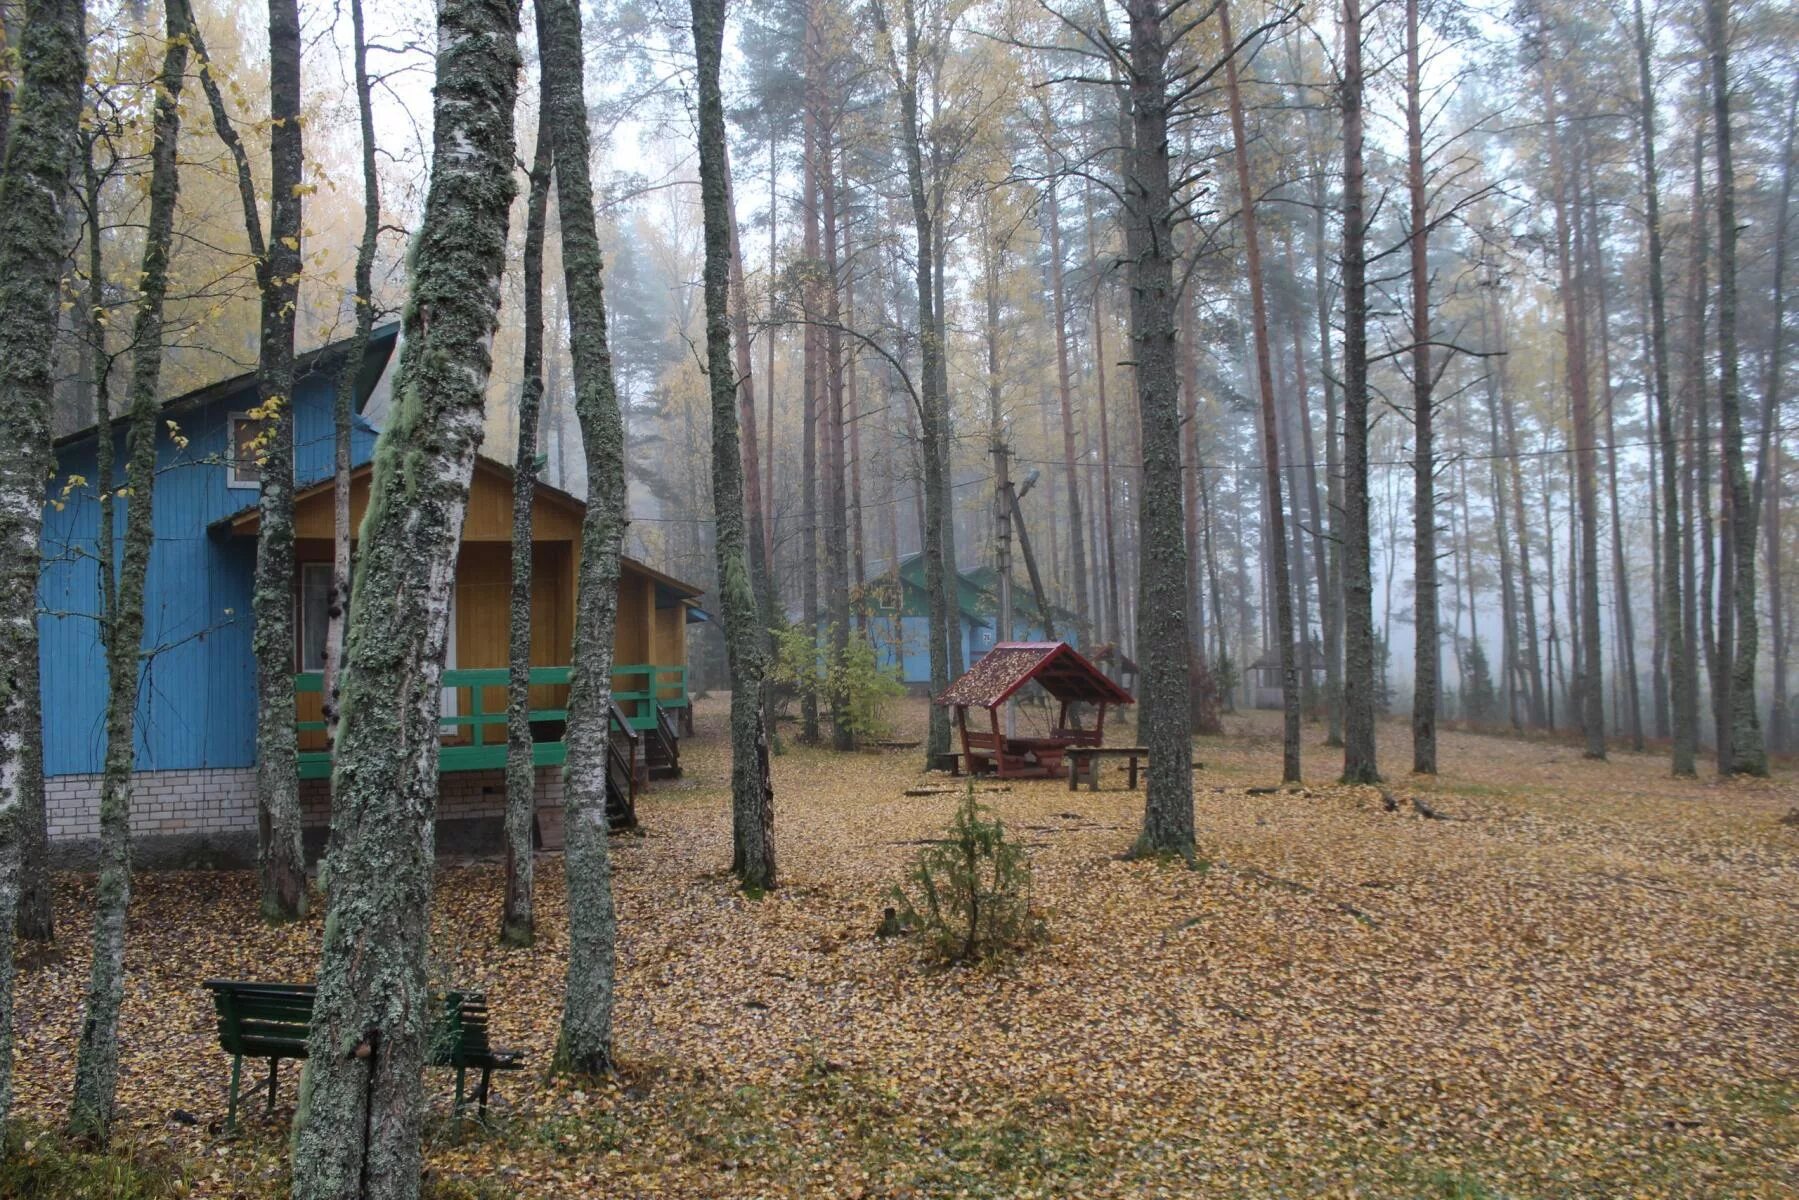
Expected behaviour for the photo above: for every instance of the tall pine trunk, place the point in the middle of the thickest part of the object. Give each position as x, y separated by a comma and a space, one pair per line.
1426, 648
357, 1131
905, 67
1586, 580
1746, 753
752, 793
1162, 573
1271, 454
1767, 477
40, 159
1077, 541
97, 1054
1358, 580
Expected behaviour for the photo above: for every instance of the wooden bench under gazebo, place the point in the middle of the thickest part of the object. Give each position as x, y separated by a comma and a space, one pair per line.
1059, 670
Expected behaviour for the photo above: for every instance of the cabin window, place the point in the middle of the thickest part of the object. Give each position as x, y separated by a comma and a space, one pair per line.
243, 470
315, 614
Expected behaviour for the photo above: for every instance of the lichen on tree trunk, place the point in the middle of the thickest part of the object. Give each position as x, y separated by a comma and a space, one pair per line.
585, 1044
34, 188
518, 920
357, 1131
97, 1055
752, 793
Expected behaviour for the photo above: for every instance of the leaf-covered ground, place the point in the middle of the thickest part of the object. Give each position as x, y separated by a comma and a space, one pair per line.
1584, 983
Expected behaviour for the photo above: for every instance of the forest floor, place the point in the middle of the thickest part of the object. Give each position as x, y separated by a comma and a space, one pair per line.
1585, 983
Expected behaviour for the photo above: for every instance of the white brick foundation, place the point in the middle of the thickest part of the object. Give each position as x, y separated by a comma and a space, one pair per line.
217, 806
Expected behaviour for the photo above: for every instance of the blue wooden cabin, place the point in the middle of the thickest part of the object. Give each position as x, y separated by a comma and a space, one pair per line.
196, 718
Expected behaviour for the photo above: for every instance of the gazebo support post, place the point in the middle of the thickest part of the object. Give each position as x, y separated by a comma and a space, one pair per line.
999, 745
962, 727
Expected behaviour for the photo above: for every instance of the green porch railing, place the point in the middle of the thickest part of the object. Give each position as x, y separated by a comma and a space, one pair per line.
485, 749
661, 687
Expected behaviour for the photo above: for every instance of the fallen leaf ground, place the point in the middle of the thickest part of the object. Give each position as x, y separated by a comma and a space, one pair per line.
1585, 983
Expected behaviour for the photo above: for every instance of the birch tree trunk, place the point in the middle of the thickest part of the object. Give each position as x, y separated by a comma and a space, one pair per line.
585, 1044
280, 859
40, 159
1162, 580
1747, 755
1358, 580
357, 1131
518, 920
752, 792
97, 1054
343, 407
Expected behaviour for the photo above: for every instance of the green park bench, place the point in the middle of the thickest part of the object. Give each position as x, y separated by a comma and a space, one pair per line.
274, 1021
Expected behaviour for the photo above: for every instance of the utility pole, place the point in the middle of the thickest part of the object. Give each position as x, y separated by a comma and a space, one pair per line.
1003, 502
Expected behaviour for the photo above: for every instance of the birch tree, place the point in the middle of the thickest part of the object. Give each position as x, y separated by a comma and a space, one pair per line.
752, 793
277, 267
357, 1130
518, 922
40, 159
585, 1043
97, 1054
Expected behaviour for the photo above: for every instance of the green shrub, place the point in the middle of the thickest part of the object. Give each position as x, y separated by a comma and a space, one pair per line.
803, 667
867, 688
969, 894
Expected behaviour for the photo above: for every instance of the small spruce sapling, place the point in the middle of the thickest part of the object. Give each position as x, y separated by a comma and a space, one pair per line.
969, 893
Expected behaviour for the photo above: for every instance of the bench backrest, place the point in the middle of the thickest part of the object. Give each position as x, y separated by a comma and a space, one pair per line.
275, 1019
262, 1018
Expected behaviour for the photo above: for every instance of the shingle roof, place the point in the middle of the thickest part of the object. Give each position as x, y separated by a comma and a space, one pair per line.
1055, 666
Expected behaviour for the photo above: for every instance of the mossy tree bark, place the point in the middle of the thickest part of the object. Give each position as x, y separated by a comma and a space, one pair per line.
1359, 763
357, 1132
585, 1044
518, 920
1149, 213
752, 793
97, 1055
344, 403
40, 158
279, 855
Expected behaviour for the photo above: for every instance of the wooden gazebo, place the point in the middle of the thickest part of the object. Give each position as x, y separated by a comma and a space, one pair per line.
1059, 670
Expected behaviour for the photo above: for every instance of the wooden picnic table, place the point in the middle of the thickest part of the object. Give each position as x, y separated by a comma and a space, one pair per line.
1085, 759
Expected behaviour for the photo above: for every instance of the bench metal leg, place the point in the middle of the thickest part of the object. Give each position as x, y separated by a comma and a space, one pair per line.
237, 1070
1133, 772
459, 1076
481, 1096
274, 1064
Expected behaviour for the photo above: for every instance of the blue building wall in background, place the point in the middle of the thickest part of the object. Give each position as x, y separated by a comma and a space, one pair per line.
197, 705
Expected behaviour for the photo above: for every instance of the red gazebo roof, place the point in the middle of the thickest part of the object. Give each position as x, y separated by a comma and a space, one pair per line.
1056, 667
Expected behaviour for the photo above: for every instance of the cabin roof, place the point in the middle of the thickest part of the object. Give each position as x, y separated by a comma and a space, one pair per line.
670, 591
1055, 666
322, 360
